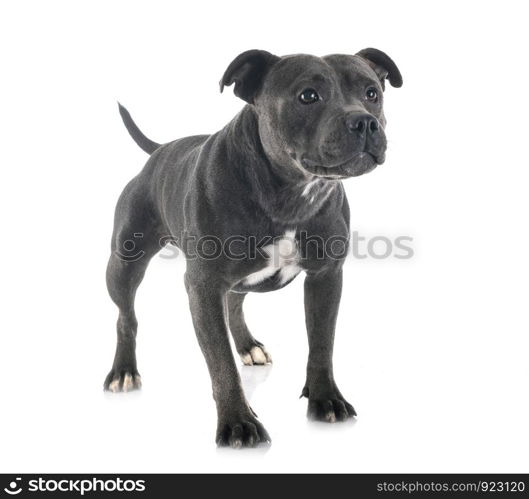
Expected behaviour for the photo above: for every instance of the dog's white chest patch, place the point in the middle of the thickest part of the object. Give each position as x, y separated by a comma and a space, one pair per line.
317, 190
311, 186
283, 256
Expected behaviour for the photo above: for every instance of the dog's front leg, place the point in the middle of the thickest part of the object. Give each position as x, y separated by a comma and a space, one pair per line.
237, 423
323, 291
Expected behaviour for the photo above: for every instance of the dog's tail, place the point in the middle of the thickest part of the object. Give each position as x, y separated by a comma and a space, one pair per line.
146, 144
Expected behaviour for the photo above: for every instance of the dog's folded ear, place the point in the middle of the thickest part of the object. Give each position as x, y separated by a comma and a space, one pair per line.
247, 71
383, 66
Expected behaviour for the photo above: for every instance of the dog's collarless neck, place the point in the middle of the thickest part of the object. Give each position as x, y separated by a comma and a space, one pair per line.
285, 197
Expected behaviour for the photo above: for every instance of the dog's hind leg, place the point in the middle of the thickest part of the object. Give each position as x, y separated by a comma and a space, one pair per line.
135, 242
252, 352
124, 275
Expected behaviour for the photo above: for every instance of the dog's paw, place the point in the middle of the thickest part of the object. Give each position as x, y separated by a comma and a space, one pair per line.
329, 409
122, 381
256, 356
241, 432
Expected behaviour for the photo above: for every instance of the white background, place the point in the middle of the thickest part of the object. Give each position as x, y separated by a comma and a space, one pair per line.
432, 351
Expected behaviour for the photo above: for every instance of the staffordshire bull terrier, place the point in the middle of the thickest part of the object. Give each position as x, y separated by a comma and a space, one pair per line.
251, 206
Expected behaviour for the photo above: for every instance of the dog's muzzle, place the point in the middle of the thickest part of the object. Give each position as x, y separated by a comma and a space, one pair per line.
364, 142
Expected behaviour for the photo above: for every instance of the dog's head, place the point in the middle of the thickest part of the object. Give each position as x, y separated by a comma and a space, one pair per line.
321, 116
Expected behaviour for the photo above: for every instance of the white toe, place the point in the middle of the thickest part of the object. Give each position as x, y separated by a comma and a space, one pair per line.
330, 417
114, 386
247, 359
258, 356
128, 383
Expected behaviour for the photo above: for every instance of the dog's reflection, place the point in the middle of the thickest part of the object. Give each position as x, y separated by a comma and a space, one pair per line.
253, 376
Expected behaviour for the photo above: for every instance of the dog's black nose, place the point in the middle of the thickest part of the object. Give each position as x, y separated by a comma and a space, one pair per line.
361, 123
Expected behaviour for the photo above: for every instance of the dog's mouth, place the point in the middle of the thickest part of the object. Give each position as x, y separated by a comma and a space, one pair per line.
358, 164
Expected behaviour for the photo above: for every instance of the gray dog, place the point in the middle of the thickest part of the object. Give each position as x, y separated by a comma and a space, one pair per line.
251, 206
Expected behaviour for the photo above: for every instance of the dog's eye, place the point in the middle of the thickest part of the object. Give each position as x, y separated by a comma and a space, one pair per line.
372, 94
309, 96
